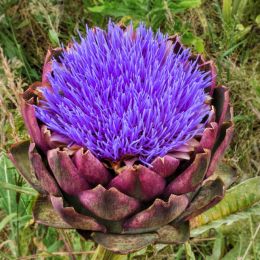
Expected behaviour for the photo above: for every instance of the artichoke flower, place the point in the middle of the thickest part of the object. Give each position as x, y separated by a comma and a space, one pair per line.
126, 130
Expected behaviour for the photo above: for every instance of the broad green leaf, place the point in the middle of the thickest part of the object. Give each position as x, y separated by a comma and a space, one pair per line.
243, 215
237, 204
192, 40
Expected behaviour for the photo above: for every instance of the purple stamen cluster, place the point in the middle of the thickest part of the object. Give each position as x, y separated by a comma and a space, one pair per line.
123, 93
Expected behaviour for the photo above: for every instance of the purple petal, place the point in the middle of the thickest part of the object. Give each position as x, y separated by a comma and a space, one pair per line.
209, 136
44, 213
18, 154
158, 214
75, 219
180, 155
124, 244
47, 182
209, 194
188, 180
165, 166
28, 113
119, 107
108, 204
225, 135
221, 103
91, 168
47, 67
139, 182
172, 234
65, 172
53, 139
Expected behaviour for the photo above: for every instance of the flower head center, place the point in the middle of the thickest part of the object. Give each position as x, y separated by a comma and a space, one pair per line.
122, 93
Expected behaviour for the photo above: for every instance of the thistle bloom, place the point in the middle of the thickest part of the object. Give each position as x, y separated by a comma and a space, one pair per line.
155, 98
127, 127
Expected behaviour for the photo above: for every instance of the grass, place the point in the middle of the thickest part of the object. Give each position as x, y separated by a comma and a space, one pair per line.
226, 31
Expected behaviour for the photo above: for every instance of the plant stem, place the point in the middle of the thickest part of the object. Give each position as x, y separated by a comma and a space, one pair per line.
102, 253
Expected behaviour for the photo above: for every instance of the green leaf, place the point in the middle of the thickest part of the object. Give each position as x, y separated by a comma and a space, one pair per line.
178, 6
155, 12
240, 202
243, 215
54, 38
135, 9
192, 40
257, 20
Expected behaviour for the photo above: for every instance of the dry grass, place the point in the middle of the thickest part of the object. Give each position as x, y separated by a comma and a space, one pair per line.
11, 86
244, 152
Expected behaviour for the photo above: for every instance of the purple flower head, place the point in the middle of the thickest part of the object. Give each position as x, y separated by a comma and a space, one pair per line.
125, 93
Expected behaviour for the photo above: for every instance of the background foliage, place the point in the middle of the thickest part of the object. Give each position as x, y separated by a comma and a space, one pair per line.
227, 31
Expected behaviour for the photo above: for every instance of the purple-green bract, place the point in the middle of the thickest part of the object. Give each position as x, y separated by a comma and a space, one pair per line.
122, 93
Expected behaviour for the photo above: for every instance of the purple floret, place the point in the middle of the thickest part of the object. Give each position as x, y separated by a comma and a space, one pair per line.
121, 94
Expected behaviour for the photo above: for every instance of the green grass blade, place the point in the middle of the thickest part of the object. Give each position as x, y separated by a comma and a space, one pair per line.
227, 10
25, 190
5, 256
189, 253
6, 220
